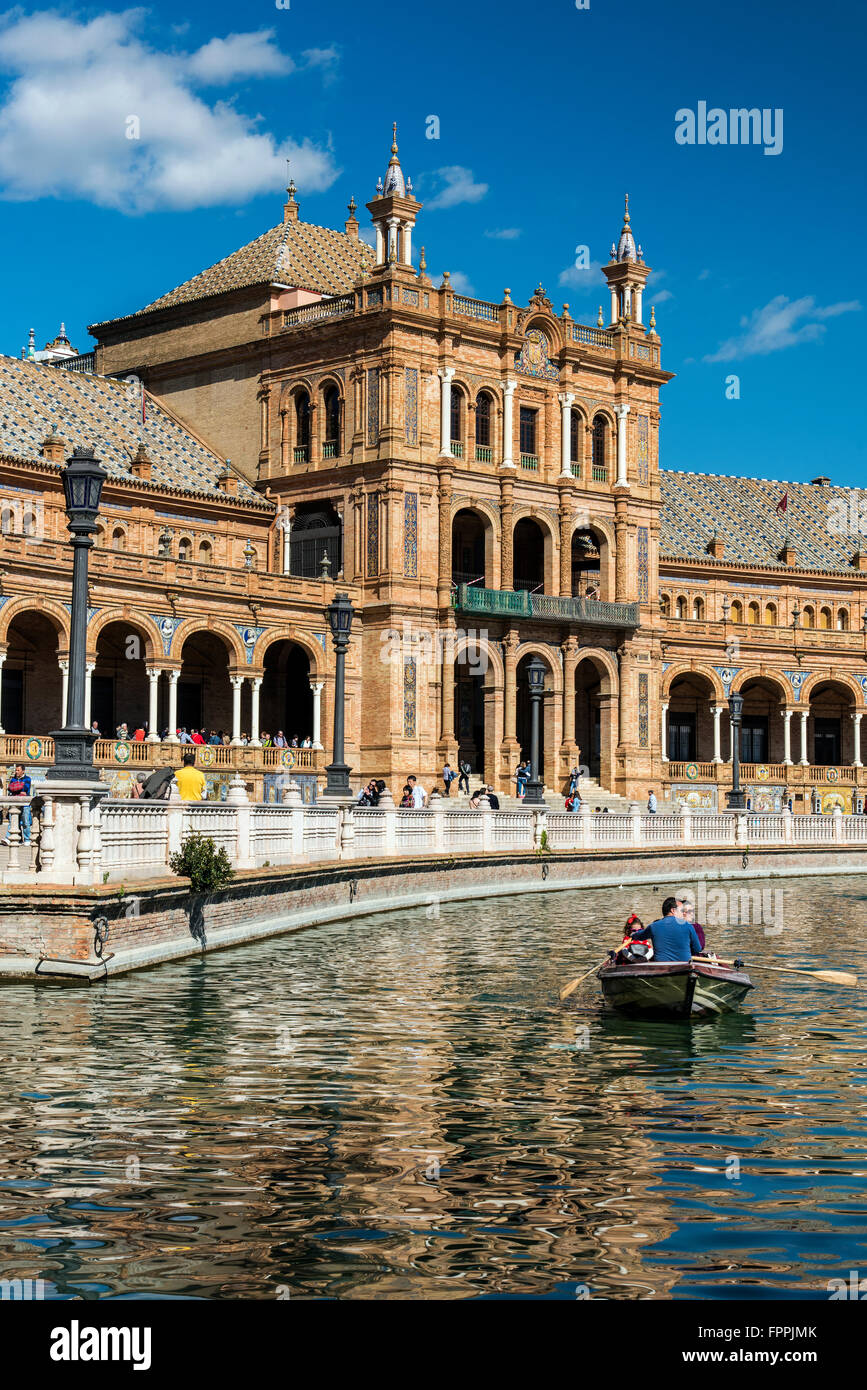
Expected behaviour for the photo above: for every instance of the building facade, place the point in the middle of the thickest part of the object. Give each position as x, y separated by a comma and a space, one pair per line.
483, 478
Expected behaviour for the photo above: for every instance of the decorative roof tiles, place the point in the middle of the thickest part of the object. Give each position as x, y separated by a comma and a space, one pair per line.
822, 520
37, 399
297, 254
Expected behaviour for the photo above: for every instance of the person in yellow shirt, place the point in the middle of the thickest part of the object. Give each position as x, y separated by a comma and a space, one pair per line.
191, 782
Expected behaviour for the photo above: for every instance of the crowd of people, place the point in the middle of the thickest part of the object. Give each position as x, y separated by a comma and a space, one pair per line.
214, 737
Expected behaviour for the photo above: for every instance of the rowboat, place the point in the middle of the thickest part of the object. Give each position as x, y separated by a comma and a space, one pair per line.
683, 989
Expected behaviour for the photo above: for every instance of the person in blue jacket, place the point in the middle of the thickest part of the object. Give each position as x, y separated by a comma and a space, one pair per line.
19, 785
673, 937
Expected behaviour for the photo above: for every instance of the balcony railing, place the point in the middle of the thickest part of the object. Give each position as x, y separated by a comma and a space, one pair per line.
322, 309
518, 603
457, 449
599, 473
83, 362
329, 449
596, 337
38, 749
476, 308
484, 453
530, 462
300, 455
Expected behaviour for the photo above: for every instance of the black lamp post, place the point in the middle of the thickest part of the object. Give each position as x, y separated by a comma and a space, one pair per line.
536, 678
339, 614
83, 478
735, 799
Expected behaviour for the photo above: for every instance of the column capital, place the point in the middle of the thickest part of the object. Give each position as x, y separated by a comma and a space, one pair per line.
174, 675
446, 373
509, 386
622, 409
237, 681
566, 398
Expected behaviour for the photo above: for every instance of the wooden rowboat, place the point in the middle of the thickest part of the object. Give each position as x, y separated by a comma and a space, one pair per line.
682, 989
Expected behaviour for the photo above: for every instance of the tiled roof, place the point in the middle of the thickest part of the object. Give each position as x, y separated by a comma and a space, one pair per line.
88, 409
292, 253
743, 513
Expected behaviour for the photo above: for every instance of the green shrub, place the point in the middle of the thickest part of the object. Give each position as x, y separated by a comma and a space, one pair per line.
199, 860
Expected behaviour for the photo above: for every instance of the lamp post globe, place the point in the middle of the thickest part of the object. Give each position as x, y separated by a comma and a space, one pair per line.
83, 478
340, 614
536, 671
736, 798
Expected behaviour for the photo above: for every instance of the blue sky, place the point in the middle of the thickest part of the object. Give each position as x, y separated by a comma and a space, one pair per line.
546, 114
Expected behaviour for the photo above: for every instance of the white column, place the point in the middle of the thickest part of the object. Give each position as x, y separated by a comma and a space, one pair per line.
64, 671
316, 687
174, 677
615, 310
255, 686
407, 243
716, 711
787, 736
2, 659
287, 540
88, 672
639, 290
393, 249
622, 412
566, 398
804, 713
664, 731
380, 257
153, 693
237, 683
856, 729
508, 426
446, 374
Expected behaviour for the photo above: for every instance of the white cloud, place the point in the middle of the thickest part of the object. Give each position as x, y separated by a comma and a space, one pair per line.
74, 87
659, 297
239, 55
460, 282
587, 278
326, 59
780, 324
505, 234
459, 187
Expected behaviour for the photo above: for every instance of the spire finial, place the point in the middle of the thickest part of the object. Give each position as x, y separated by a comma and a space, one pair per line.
394, 180
626, 211
351, 206
290, 207
394, 137
600, 321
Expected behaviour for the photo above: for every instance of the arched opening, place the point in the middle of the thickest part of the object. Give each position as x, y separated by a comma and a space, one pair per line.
680, 607
484, 428
185, 549
469, 707
586, 565
331, 443
302, 427
523, 718
753, 614
286, 696
204, 689
770, 615
469, 549
665, 605
737, 612
119, 684
761, 722
600, 449
843, 620
808, 617
689, 721
316, 533
456, 426
595, 718
32, 683
118, 538
206, 553
697, 609
529, 555
829, 727
825, 618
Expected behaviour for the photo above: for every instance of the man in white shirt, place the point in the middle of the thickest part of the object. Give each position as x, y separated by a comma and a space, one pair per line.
419, 795
651, 804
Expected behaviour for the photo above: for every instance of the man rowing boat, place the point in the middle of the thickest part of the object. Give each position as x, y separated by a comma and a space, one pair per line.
672, 936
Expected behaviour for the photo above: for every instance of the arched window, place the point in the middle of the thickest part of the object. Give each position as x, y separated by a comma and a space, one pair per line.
600, 449
753, 614
302, 427
825, 618
842, 620
575, 441
118, 538
457, 423
484, 450
808, 617
316, 535
206, 554
770, 615
7, 521
737, 613
331, 445
185, 548
697, 610
680, 607
665, 605
28, 523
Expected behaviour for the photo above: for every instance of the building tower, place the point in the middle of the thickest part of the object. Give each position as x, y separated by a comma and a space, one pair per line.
393, 210
627, 275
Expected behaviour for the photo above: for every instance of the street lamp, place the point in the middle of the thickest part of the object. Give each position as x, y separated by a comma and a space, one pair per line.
735, 799
339, 614
536, 679
83, 478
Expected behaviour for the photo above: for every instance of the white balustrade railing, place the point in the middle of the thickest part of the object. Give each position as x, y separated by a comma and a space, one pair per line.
120, 840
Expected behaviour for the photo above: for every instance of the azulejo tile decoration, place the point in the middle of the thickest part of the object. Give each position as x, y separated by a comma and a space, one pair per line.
410, 535
643, 701
533, 358
643, 565
373, 405
372, 534
409, 697
643, 459
410, 408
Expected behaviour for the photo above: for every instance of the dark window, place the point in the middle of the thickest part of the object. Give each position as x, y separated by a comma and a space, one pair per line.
302, 420
754, 738
681, 737
456, 415
528, 430
599, 433
574, 426
13, 703
102, 704
826, 741
483, 421
315, 533
332, 415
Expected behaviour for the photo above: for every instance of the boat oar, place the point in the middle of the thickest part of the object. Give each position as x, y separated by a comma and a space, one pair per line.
573, 984
828, 977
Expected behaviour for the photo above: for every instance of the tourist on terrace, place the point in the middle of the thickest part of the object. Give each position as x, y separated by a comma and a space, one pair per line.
574, 777
122, 732
139, 735
19, 785
183, 736
464, 779
196, 736
216, 738
406, 798
651, 803
419, 795
280, 739
522, 777
94, 729
449, 776
191, 782
306, 742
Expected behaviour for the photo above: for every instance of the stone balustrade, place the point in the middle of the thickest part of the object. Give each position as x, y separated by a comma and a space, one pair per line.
121, 841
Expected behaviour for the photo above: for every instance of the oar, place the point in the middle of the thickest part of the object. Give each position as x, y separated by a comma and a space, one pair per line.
828, 977
573, 984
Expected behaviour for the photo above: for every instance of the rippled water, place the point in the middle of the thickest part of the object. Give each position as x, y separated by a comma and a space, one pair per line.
400, 1109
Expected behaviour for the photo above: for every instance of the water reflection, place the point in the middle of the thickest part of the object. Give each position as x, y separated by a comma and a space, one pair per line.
401, 1109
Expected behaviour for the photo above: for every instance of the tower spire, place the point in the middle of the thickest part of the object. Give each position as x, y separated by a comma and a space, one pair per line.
290, 207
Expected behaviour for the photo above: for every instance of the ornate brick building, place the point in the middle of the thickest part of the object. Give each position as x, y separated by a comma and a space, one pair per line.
484, 479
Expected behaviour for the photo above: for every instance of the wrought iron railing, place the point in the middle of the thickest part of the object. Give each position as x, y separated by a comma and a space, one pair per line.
546, 607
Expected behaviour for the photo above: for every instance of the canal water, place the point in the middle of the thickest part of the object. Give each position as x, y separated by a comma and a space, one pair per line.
400, 1108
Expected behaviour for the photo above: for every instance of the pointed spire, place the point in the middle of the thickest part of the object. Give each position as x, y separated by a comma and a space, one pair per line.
351, 224
290, 207
31, 344
394, 180
651, 332
626, 245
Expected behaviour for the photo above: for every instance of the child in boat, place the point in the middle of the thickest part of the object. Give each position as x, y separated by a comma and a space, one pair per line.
636, 945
